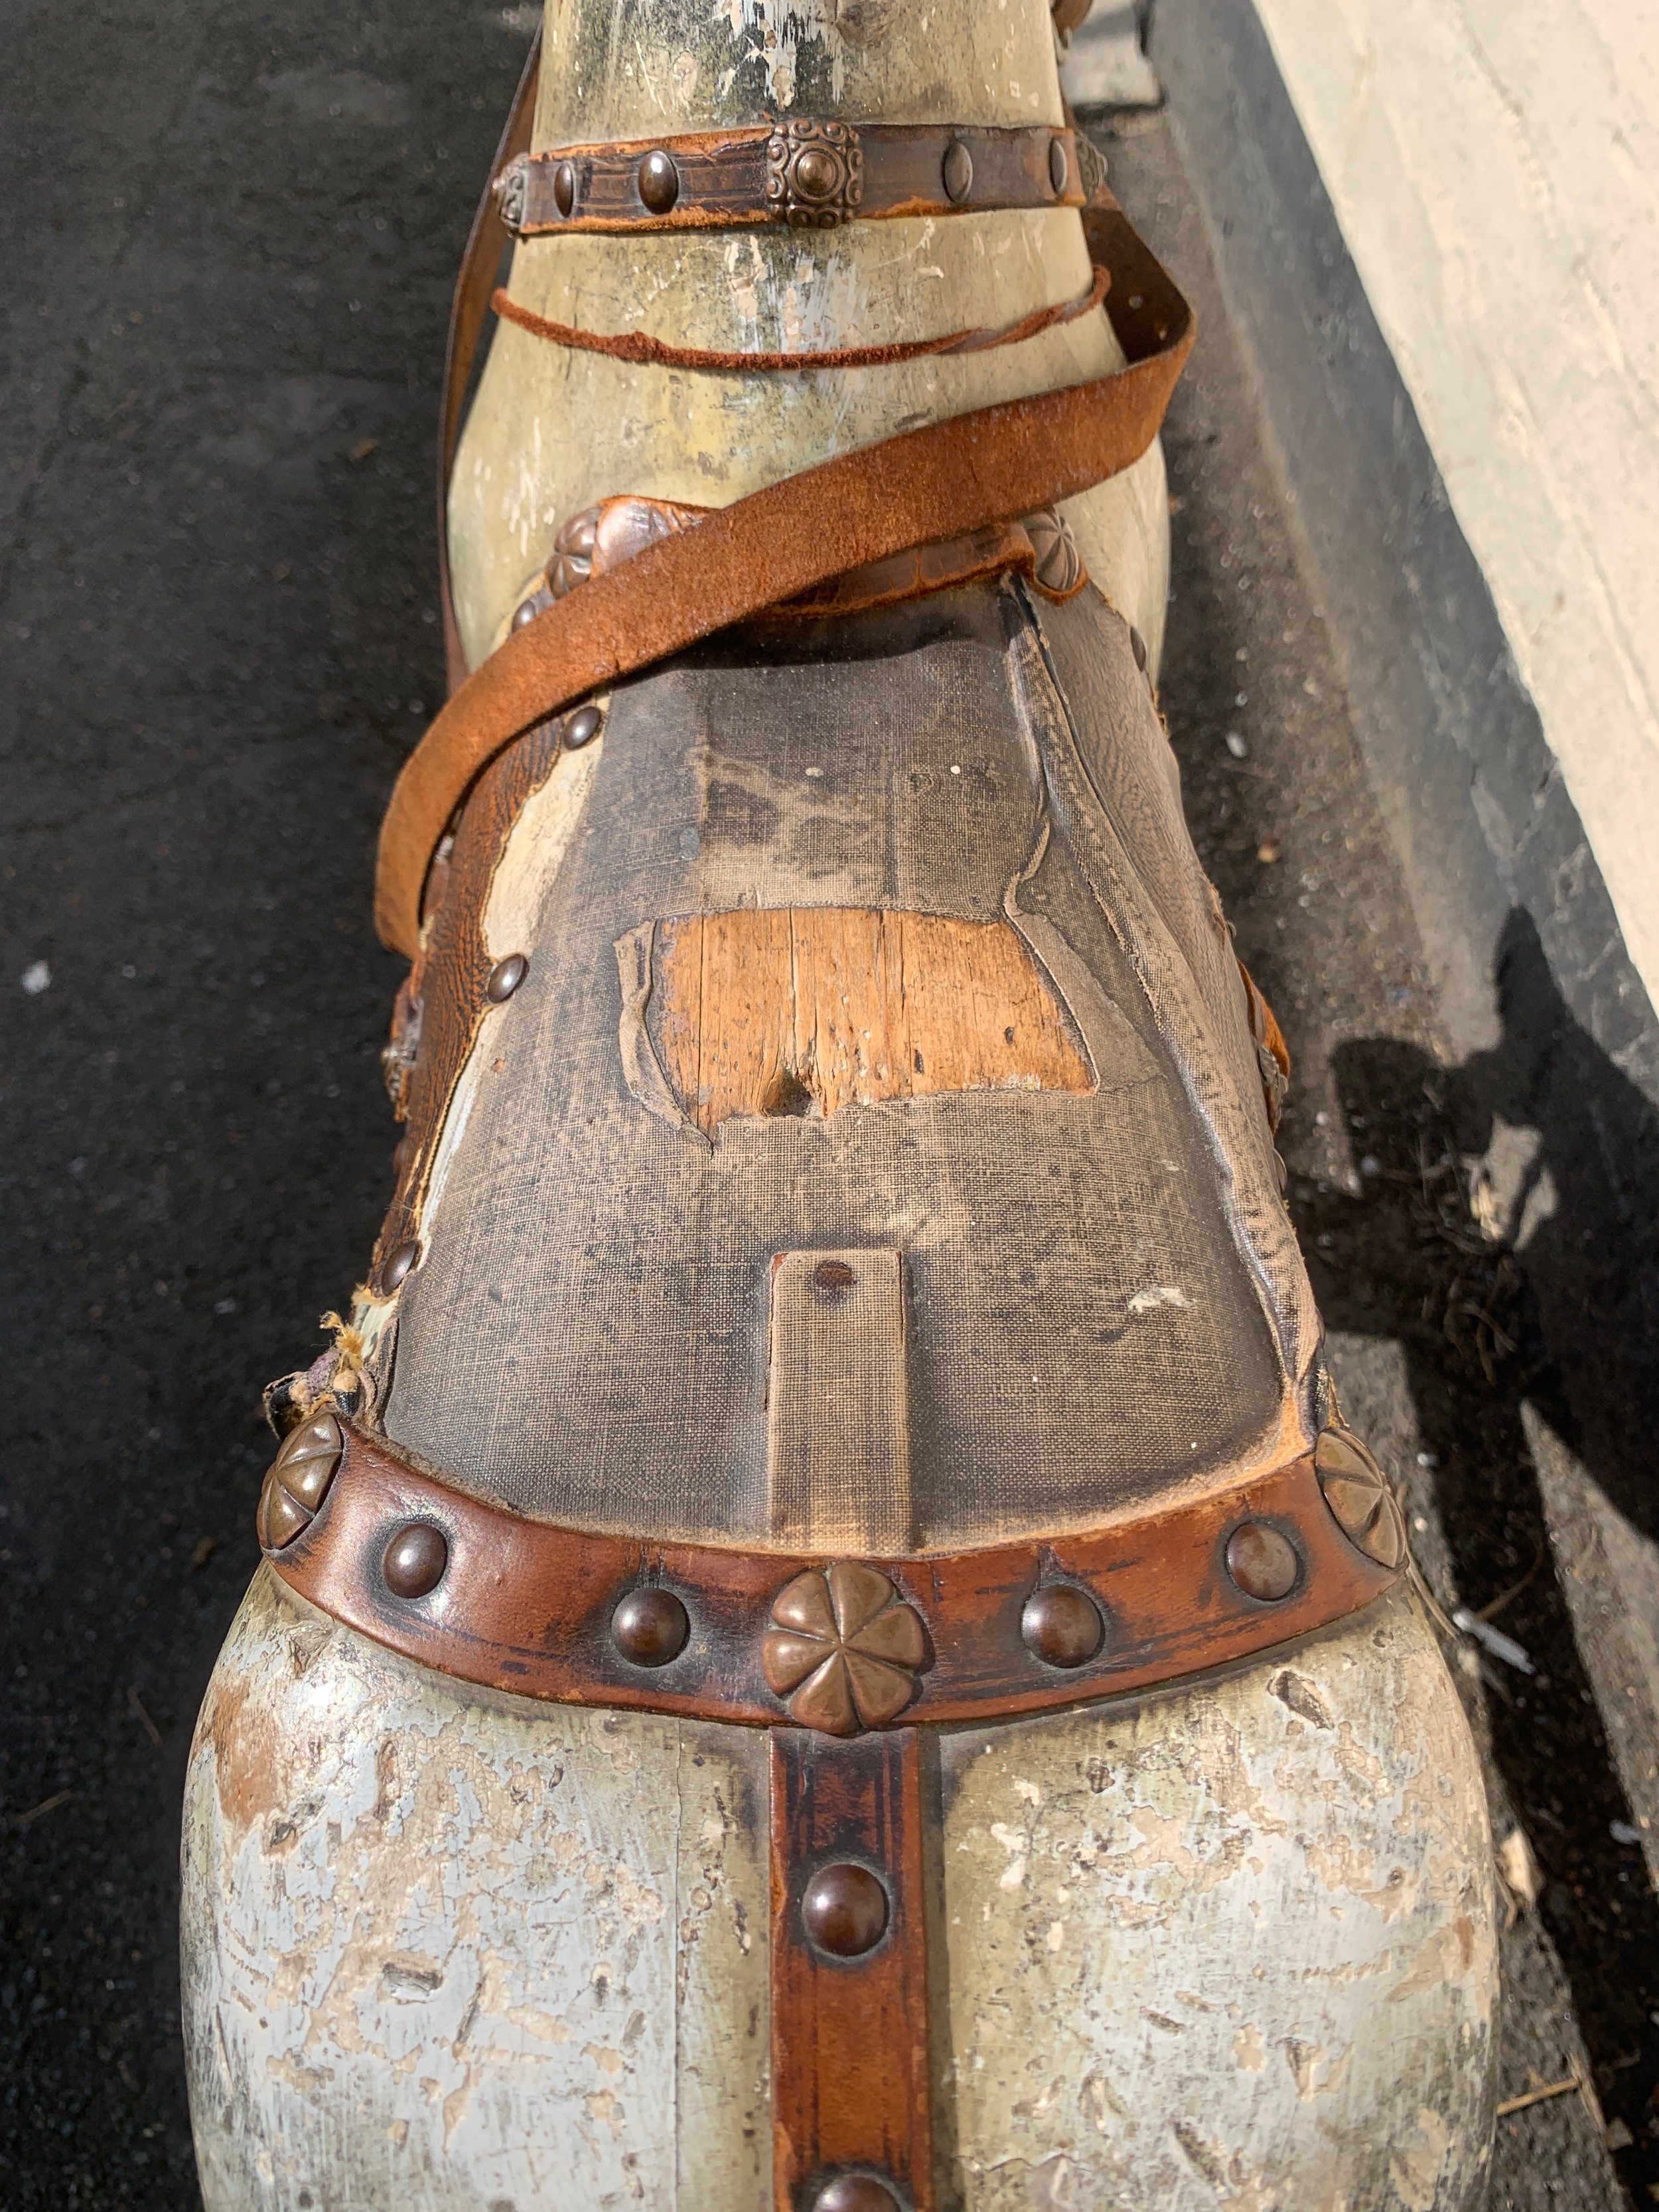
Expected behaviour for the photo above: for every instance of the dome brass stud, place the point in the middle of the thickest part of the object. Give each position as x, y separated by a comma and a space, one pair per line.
957, 172
415, 1560
854, 2192
650, 1627
1262, 1561
1061, 1625
844, 1910
1060, 167
564, 187
583, 727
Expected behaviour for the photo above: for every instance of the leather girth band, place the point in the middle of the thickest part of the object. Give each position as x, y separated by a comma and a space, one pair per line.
810, 175
529, 1607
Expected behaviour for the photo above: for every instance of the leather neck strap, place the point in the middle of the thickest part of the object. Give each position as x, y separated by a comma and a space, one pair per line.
945, 480
806, 174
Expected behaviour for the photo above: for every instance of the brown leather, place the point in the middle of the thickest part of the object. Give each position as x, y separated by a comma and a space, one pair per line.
640, 346
604, 536
487, 241
448, 988
741, 176
945, 480
851, 2086
527, 1607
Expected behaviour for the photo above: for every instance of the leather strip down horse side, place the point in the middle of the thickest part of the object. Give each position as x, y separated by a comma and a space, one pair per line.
824, 1643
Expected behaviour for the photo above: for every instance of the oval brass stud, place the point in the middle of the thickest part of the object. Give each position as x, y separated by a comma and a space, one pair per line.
1060, 167
564, 187
1137, 647
957, 172
854, 2192
525, 612
400, 1263
659, 181
1262, 1561
844, 1910
1061, 1625
583, 727
415, 1560
650, 1627
506, 976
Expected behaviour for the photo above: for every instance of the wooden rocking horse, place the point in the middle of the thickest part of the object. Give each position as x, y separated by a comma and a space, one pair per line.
822, 1643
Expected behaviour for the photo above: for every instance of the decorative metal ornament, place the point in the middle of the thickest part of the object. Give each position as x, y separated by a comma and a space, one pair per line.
299, 1479
512, 192
572, 552
957, 172
1362, 1505
814, 174
843, 1649
1059, 564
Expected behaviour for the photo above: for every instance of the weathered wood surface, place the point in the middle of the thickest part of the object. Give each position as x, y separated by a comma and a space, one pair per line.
808, 1009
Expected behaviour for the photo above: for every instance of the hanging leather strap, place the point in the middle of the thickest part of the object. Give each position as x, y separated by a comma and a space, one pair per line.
945, 480
486, 242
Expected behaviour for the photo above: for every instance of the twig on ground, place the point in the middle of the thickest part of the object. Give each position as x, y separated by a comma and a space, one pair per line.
1537, 2096
148, 1725
46, 1805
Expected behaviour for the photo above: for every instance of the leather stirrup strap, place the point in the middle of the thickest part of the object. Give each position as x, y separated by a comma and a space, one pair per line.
486, 242
944, 480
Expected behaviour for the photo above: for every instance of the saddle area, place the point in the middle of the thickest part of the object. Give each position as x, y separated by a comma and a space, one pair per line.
877, 939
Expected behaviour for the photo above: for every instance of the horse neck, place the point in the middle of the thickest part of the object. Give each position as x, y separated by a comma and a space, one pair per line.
553, 429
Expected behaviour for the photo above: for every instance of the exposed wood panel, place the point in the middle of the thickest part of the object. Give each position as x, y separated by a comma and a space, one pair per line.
805, 1010
838, 1426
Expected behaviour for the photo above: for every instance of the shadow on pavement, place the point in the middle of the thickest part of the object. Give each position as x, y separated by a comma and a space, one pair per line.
1503, 1203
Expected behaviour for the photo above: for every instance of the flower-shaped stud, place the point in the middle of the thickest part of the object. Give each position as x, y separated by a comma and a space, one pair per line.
1357, 1493
299, 1479
843, 1649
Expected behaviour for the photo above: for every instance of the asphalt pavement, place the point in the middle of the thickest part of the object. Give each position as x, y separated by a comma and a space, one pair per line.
230, 244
